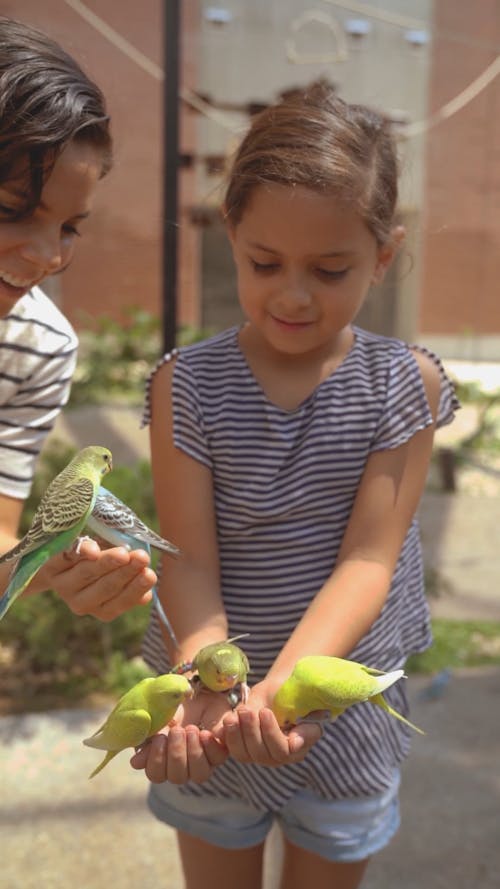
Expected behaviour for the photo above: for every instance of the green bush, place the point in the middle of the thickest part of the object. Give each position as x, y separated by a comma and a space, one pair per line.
459, 643
116, 357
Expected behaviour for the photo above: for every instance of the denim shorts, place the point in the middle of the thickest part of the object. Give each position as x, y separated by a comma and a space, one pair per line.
338, 830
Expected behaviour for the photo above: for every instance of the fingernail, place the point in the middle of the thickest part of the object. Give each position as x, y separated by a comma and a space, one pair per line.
296, 743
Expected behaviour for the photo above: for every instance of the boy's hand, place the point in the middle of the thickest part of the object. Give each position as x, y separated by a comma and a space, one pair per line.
101, 582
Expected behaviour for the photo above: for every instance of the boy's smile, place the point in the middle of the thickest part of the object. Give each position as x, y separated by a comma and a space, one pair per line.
42, 242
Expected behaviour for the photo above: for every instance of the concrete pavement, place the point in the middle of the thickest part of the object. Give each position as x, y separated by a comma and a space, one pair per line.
59, 830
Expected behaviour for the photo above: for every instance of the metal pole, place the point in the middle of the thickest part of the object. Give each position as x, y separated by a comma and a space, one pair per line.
170, 169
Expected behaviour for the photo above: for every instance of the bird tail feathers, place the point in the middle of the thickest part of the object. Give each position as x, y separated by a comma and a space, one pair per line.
381, 702
21, 575
109, 756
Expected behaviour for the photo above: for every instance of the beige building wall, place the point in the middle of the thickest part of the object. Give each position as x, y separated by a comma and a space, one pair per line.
266, 47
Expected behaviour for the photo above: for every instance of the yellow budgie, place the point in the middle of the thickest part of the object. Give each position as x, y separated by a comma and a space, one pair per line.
326, 686
141, 712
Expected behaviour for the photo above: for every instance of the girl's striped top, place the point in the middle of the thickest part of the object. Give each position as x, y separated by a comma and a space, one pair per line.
38, 349
285, 483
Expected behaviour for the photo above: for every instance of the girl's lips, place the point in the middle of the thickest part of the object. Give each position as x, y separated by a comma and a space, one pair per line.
291, 325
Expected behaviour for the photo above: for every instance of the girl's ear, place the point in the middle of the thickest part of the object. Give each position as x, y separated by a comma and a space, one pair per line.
387, 252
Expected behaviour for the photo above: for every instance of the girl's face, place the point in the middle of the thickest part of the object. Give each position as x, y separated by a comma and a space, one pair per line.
305, 264
43, 242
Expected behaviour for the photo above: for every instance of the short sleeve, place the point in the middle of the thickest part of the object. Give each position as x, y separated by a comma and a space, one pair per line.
189, 434
27, 416
448, 401
406, 410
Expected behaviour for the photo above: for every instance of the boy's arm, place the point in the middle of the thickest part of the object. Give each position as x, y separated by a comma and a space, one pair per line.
10, 516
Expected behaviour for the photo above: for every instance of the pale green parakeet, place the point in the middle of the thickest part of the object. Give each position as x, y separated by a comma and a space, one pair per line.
141, 712
326, 686
220, 667
60, 517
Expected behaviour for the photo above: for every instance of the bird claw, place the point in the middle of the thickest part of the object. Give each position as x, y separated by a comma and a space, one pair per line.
238, 694
315, 717
78, 543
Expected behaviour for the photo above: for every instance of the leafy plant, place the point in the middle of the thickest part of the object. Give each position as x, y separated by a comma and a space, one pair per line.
116, 357
459, 644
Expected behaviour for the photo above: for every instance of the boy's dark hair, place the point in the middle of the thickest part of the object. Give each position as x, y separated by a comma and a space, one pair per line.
46, 100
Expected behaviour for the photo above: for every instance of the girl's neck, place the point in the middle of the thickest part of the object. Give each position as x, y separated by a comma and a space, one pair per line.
287, 379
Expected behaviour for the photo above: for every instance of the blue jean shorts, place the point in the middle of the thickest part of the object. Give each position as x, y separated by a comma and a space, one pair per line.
338, 830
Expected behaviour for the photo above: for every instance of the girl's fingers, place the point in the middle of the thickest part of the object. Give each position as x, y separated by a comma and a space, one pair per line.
276, 742
233, 738
177, 770
183, 754
302, 738
215, 752
156, 761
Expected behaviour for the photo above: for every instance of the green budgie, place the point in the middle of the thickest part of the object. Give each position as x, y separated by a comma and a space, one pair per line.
60, 517
141, 712
220, 667
330, 685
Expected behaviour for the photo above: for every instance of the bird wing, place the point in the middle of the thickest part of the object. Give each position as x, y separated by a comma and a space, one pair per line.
55, 514
112, 512
125, 728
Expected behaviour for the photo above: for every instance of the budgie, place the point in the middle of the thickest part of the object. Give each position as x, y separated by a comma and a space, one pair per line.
330, 685
141, 712
115, 522
220, 666
60, 517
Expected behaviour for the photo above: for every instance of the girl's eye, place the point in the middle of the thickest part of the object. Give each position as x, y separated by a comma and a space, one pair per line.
336, 275
263, 267
70, 230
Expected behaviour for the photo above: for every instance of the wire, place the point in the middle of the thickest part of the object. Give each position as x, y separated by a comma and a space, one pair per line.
147, 65
457, 103
391, 18
448, 110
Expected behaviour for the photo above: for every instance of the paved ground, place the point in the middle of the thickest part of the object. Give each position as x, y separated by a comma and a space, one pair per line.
58, 830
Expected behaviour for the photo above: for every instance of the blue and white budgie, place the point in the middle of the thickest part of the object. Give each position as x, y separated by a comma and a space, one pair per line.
60, 517
119, 525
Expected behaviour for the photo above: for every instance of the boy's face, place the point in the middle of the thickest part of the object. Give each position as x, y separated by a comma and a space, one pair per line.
42, 243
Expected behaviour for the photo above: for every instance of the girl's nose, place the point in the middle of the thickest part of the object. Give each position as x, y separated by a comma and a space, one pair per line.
297, 292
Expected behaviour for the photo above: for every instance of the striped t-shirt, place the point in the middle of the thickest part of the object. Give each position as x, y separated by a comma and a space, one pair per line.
284, 486
38, 349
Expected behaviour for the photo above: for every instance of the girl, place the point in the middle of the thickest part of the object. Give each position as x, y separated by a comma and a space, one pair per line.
55, 145
289, 458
